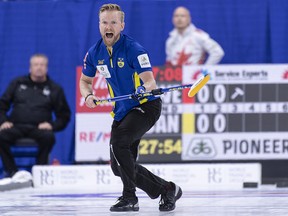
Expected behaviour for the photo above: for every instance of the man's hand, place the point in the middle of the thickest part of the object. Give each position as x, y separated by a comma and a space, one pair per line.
6, 125
87, 91
139, 90
45, 126
90, 101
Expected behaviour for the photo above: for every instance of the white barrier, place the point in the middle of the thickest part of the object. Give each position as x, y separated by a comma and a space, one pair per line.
188, 176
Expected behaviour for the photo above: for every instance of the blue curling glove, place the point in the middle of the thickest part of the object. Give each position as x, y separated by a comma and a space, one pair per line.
139, 90
204, 72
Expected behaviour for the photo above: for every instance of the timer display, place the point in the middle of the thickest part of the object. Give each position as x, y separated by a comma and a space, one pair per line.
167, 148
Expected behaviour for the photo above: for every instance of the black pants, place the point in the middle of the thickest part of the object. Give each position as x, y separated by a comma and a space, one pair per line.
125, 139
44, 138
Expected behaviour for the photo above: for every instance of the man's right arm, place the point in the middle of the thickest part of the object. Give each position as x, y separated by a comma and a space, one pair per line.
6, 100
86, 90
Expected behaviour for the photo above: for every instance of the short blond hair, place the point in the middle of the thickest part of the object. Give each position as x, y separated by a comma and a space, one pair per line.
112, 7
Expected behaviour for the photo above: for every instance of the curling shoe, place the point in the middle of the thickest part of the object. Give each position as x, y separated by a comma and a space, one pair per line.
124, 204
169, 198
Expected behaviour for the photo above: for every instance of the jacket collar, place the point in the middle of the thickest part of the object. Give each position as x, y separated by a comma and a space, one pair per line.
190, 28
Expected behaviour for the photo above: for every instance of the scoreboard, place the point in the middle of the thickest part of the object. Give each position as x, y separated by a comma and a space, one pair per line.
241, 114
223, 108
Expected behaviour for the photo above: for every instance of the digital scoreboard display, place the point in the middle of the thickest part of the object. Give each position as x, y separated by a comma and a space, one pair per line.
222, 108
241, 114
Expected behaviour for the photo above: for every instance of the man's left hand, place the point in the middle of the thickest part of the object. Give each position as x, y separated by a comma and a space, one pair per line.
139, 90
45, 126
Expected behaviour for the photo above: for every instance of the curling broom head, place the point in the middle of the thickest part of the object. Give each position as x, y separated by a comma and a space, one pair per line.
198, 85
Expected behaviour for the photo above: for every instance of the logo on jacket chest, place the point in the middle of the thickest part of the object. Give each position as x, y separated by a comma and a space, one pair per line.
120, 62
22, 87
101, 62
103, 70
46, 91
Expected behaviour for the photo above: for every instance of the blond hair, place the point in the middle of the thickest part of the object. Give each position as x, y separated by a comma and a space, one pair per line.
112, 7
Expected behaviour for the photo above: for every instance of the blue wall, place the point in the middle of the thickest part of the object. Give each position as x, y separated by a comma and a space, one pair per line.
250, 31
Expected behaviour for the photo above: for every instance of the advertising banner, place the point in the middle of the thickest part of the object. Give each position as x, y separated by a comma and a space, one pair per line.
99, 178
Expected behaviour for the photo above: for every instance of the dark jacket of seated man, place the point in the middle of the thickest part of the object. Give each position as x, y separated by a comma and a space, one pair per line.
26, 110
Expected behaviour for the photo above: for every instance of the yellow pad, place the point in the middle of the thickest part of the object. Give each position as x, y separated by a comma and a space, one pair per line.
198, 85
188, 122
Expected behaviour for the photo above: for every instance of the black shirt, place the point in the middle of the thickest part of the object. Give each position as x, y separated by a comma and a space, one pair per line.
32, 103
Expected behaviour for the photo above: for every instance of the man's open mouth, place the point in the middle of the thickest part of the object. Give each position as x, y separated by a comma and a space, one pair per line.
109, 35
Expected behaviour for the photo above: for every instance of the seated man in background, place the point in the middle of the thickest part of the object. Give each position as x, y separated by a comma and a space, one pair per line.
187, 45
33, 99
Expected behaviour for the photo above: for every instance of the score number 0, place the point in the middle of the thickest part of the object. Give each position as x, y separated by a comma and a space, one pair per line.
219, 120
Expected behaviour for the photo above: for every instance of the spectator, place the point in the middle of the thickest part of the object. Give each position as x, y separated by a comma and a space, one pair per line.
26, 110
187, 45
